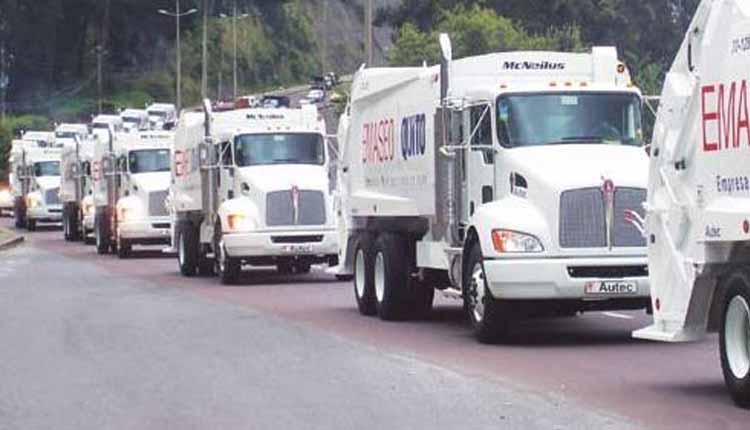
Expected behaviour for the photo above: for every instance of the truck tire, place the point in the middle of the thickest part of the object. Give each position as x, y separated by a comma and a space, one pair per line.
364, 288
284, 267
187, 248
66, 223
74, 224
101, 232
423, 295
124, 247
490, 318
734, 337
391, 277
31, 224
302, 267
19, 213
227, 268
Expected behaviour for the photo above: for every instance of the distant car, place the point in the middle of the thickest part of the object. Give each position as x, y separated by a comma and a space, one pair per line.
316, 96
272, 102
224, 105
245, 102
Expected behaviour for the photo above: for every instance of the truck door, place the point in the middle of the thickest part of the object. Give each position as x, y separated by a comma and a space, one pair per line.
479, 159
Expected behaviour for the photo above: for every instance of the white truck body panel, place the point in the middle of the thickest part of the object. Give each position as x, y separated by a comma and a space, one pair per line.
699, 187
392, 158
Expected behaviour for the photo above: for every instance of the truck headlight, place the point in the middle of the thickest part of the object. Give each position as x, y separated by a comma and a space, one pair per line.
129, 213
240, 222
513, 242
33, 202
88, 209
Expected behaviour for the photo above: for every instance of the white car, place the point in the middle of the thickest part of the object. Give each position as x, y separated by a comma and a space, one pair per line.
6, 201
316, 96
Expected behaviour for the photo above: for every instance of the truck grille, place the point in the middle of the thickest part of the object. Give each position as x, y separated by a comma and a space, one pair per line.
156, 206
52, 196
583, 218
280, 208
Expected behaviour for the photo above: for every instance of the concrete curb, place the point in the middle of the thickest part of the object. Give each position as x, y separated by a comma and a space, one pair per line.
10, 243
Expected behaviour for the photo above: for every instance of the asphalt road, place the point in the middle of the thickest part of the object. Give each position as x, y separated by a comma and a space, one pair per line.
95, 342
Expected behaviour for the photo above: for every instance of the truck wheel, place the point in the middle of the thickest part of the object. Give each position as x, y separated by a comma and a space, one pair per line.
74, 224
284, 267
227, 268
101, 232
390, 277
206, 267
66, 223
364, 289
31, 224
734, 338
187, 248
19, 214
489, 317
86, 239
302, 267
123, 247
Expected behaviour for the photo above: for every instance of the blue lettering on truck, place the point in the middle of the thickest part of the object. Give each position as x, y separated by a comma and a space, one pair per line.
413, 138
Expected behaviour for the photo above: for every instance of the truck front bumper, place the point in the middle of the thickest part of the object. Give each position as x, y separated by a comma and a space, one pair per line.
565, 278
155, 230
51, 213
282, 244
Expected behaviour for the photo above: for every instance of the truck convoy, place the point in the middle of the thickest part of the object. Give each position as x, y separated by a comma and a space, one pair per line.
131, 180
451, 179
251, 186
76, 191
35, 182
698, 217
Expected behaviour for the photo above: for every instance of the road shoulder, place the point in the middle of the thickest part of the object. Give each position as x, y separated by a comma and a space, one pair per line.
9, 239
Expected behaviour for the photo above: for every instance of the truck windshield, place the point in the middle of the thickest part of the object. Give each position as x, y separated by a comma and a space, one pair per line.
157, 113
47, 168
569, 118
131, 120
100, 125
290, 148
148, 160
66, 135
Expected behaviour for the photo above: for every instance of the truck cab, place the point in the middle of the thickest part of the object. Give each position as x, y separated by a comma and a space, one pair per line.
267, 193
36, 187
514, 181
132, 183
135, 120
76, 191
102, 126
161, 116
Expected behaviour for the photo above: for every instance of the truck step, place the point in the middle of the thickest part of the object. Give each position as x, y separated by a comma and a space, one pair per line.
453, 294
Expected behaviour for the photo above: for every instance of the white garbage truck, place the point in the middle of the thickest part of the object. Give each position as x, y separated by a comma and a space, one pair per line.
77, 187
131, 182
510, 180
698, 210
252, 186
35, 183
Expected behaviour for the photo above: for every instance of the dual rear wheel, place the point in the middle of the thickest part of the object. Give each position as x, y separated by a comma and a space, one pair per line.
384, 281
734, 337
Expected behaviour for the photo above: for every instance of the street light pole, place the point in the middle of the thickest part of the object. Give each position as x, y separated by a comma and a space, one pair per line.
177, 15
235, 16
204, 56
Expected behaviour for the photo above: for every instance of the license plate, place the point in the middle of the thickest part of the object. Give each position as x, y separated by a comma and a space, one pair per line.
296, 249
611, 288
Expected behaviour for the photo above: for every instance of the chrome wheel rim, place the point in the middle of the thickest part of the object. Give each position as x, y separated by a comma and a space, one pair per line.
737, 337
181, 250
477, 292
222, 257
379, 275
359, 273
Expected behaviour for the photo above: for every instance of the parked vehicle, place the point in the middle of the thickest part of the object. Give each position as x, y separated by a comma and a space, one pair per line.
316, 96
698, 219
450, 180
76, 190
131, 182
35, 183
135, 120
251, 187
162, 116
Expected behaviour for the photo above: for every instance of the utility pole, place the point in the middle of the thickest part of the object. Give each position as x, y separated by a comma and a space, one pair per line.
99, 77
177, 14
235, 17
204, 56
219, 91
324, 42
4, 79
368, 33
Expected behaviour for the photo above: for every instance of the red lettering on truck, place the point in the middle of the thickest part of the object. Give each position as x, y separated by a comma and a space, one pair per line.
378, 144
730, 121
707, 118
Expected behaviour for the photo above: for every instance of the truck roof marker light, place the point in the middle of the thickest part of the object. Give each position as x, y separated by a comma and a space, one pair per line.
568, 84
657, 303
503, 86
584, 84
746, 226
553, 84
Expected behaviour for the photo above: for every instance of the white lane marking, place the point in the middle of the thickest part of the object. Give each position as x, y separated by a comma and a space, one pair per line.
618, 315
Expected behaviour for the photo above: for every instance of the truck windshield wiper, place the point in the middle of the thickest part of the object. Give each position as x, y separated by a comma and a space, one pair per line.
582, 139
